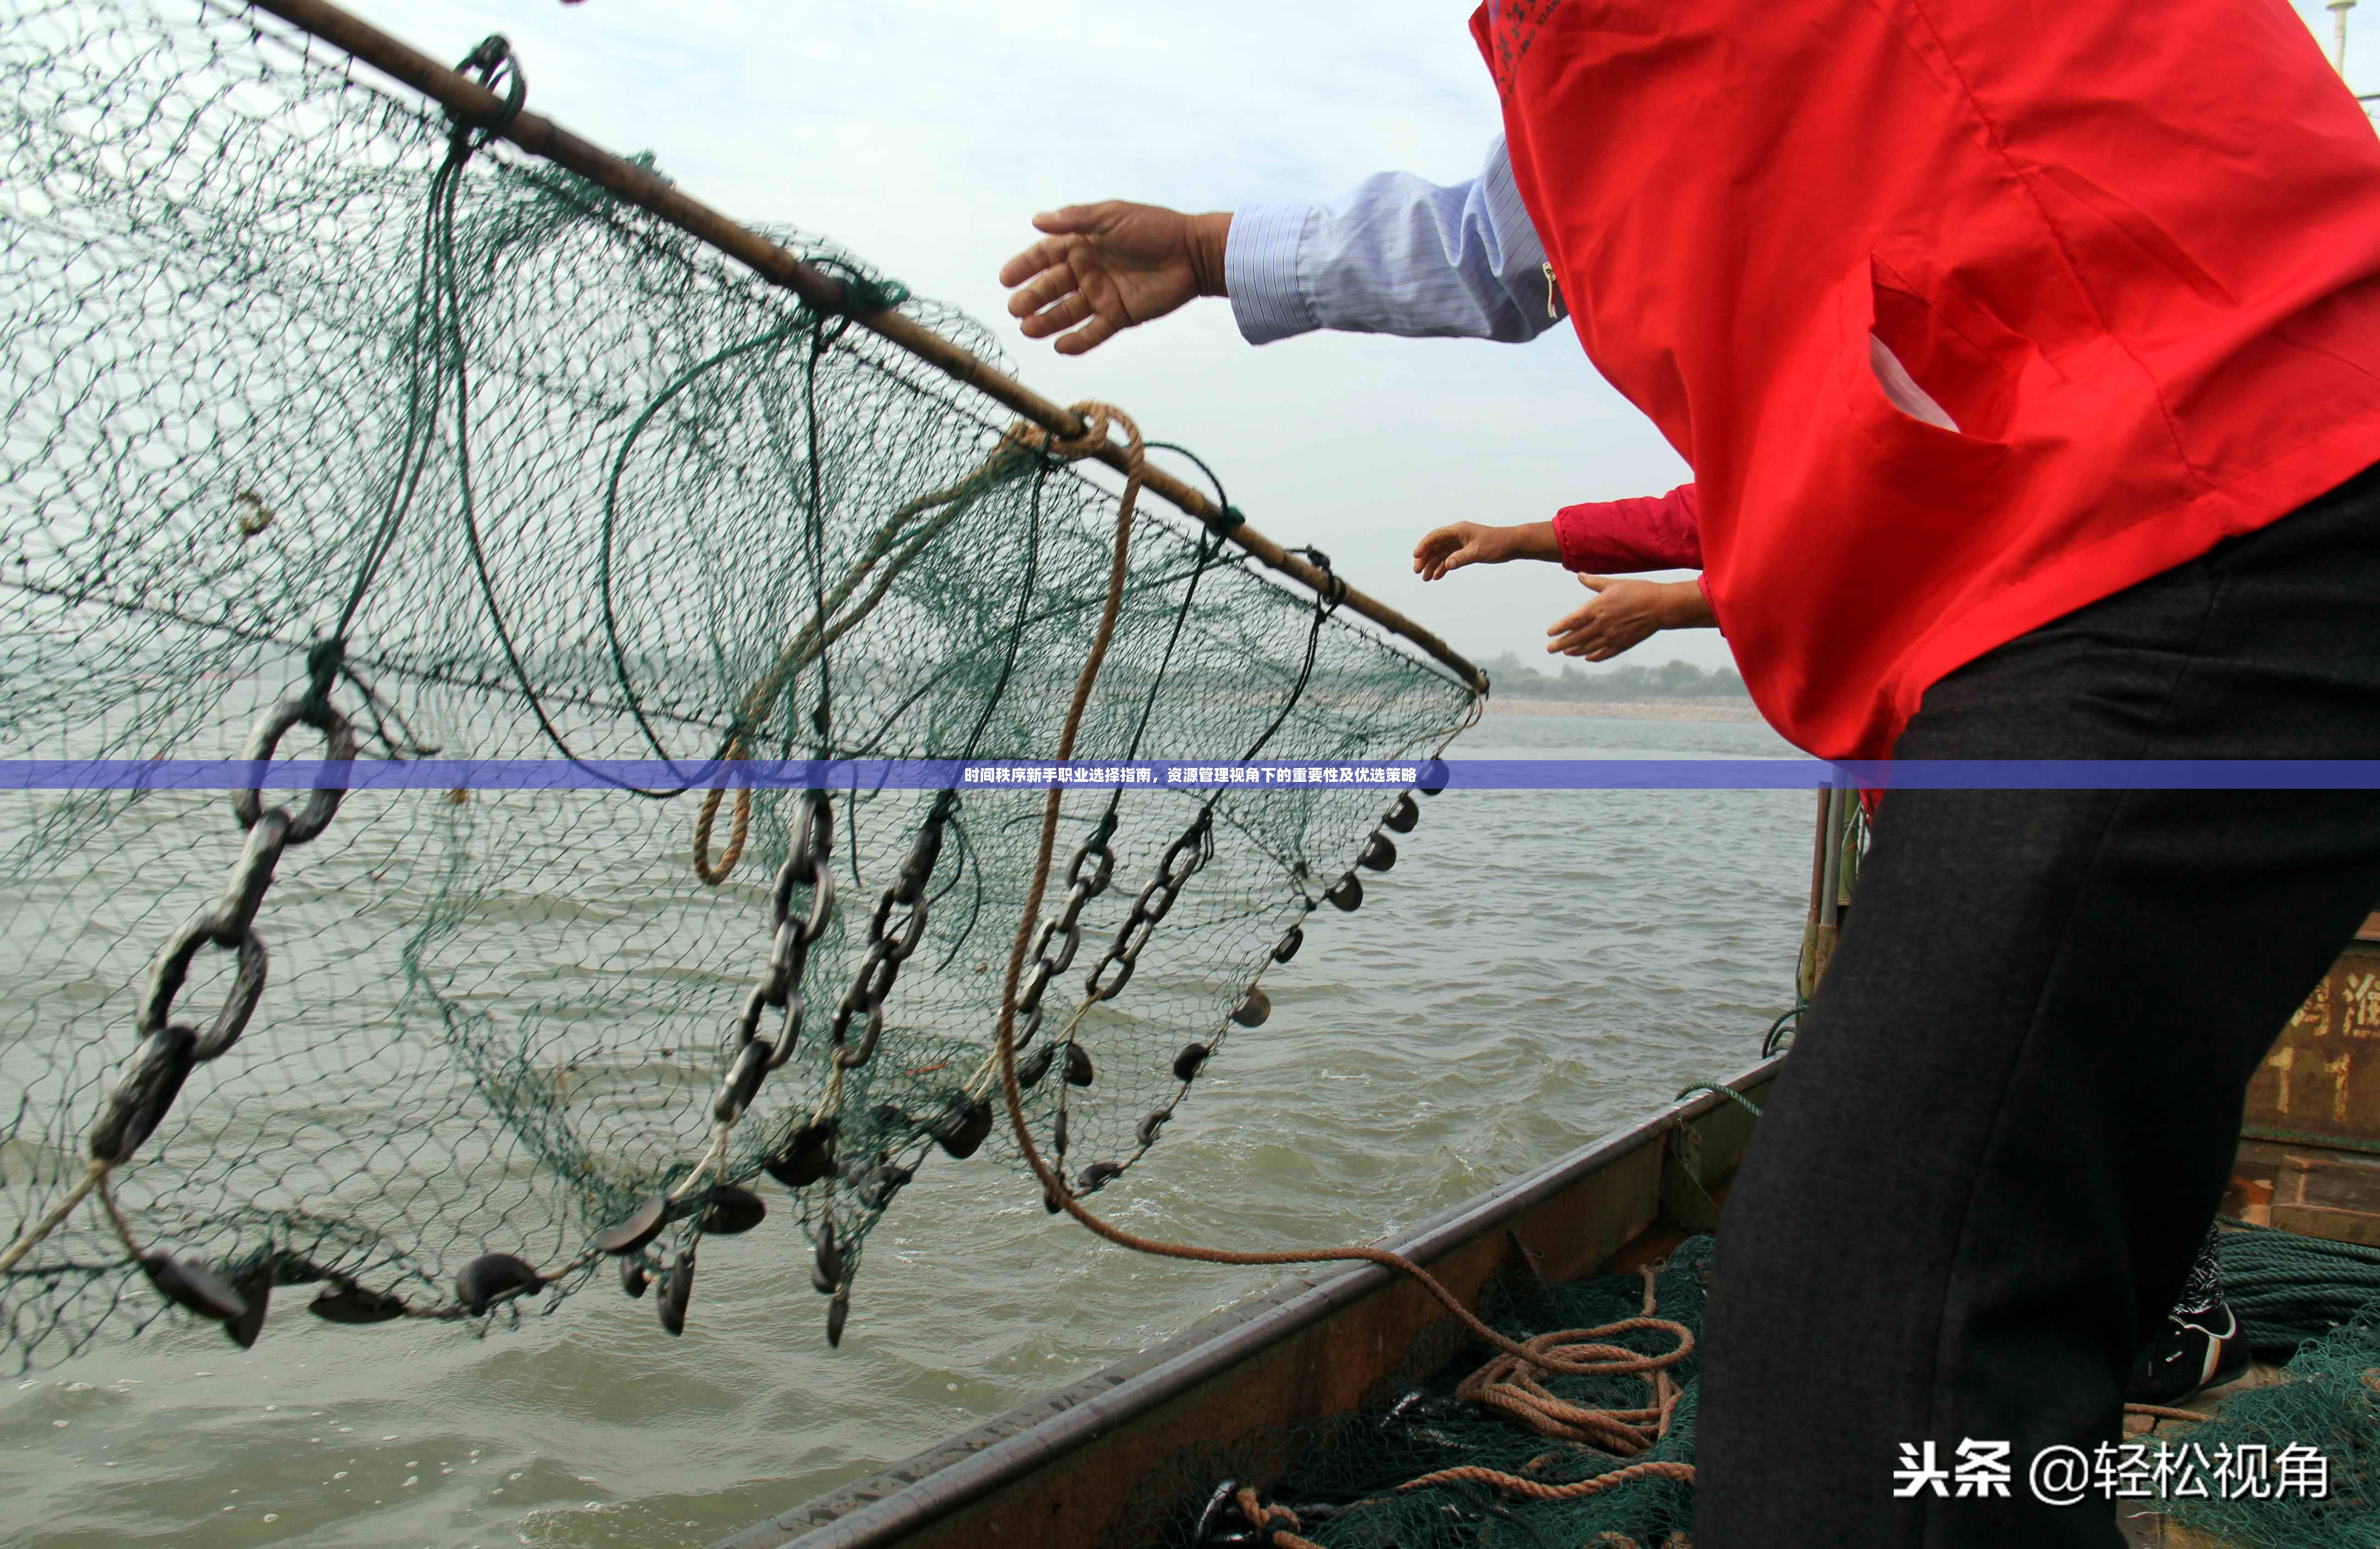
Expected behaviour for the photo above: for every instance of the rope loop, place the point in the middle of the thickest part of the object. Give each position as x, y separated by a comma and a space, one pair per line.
714, 874
1098, 418
493, 59
864, 295
1331, 595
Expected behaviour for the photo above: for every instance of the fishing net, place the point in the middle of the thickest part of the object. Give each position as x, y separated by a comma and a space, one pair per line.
334, 429
2327, 1406
1468, 1455
1444, 1456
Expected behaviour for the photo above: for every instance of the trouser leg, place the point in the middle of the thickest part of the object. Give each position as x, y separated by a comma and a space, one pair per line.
2013, 1107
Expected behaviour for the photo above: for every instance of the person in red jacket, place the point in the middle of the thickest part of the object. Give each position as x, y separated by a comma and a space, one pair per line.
2027, 358
2200, 1344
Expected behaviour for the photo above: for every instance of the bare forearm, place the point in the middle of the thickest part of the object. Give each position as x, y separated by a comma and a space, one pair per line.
1685, 605
1626, 613
1532, 540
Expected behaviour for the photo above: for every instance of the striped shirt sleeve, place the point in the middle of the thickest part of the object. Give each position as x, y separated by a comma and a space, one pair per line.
1396, 255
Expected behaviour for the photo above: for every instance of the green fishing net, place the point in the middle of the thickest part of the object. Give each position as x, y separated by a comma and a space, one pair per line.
2315, 1304
326, 414
1350, 1480
2326, 1405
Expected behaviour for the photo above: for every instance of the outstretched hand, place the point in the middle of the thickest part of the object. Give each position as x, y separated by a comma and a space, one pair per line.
1459, 543
1107, 267
1625, 613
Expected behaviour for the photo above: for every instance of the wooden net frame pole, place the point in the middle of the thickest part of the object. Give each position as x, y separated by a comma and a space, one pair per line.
543, 138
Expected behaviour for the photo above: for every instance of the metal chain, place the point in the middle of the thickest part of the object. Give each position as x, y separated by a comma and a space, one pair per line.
1065, 928
170, 1050
1254, 1008
1182, 860
890, 942
809, 862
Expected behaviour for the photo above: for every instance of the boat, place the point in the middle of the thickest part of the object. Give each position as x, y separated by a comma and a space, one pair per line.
1079, 1467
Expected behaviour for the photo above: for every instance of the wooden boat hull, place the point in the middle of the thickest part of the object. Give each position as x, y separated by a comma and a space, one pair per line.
1065, 1470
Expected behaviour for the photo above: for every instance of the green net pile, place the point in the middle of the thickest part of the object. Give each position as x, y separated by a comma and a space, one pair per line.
1345, 1478
1348, 1478
2329, 1401
2315, 1304
315, 401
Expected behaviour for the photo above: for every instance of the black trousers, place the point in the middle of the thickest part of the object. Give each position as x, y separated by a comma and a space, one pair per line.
2012, 1109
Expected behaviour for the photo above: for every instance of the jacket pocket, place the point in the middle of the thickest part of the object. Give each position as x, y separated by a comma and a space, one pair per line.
1974, 387
1955, 351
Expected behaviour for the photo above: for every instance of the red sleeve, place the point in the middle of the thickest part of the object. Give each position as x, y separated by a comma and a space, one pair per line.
1660, 532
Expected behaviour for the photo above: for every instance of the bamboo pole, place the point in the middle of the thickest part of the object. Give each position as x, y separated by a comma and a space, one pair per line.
542, 137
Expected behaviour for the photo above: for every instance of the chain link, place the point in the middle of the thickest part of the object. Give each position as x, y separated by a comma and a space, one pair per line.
1182, 860
891, 943
320, 806
1065, 926
170, 1050
809, 862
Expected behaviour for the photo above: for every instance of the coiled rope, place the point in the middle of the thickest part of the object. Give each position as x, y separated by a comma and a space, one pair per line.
1509, 1383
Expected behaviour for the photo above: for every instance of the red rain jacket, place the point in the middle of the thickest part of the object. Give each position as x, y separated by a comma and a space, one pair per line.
1648, 532
2131, 250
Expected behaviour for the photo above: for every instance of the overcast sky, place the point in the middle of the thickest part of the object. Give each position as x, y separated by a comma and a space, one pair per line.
923, 134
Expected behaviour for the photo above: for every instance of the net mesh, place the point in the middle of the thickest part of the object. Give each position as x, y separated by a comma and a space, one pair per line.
2293, 1465
2326, 1405
312, 402
1349, 1479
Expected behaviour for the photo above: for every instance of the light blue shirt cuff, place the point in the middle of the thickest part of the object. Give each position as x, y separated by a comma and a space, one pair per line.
1260, 271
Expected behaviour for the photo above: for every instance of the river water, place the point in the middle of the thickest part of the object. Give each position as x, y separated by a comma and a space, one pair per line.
1542, 966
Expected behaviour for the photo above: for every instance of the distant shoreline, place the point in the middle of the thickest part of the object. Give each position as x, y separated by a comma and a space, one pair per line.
1624, 709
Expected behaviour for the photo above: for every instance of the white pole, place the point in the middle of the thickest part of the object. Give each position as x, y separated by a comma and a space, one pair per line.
2340, 9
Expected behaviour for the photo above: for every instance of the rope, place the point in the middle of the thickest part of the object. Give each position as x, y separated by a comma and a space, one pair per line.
1509, 1383
2164, 1411
895, 547
1514, 1483
1054, 1188
715, 874
2288, 1289
1278, 1521
93, 1176
1729, 1093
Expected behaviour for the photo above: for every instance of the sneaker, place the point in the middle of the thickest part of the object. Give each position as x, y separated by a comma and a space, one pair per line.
2194, 1350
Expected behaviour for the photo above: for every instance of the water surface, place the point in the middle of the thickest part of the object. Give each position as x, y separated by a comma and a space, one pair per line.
1539, 968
